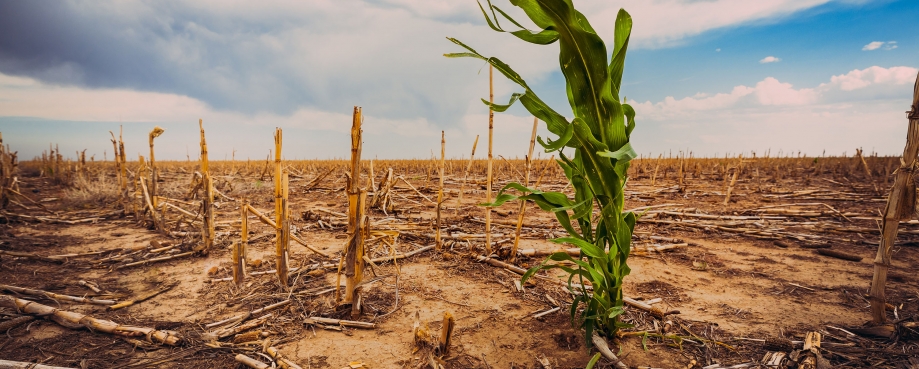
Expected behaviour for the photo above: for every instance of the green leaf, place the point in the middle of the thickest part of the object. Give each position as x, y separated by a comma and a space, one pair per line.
502, 108
569, 207
464, 55
565, 222
518, 187
544, 37
583, 63
563, 256
534, 12
558, 256
587, 248
599, 171
624, 153
630, 118
623, 31
500, 200
508, 17
529, 273
559, 143
488, 19
593, 361
624, 234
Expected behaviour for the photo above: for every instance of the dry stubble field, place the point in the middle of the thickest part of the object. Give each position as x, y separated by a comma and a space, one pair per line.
755, 268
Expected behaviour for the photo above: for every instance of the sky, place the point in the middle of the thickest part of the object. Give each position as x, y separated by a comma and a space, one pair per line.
711, 77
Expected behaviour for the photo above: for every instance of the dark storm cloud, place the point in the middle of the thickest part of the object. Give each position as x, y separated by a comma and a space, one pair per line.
67, 43
233, 58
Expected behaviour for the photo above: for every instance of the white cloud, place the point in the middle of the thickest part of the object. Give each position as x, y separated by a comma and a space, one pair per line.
775, 114
667, 22
322, 133
769, 59
875, 75
657, 23
772, 92
874, 45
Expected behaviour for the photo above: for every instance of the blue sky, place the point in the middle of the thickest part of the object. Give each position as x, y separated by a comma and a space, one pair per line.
709, 77
813, 45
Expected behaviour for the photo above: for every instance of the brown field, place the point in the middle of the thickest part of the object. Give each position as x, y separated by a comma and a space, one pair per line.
755, 268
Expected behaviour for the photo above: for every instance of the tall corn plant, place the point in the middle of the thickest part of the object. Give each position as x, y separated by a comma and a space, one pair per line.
599, 136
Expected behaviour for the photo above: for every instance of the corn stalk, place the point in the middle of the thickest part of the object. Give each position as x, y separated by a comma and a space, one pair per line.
280, 211
599, 137
239, 249
899, 207
156, 132
358, 226
124, 198
7, 166
208, 232
76, 320
440, 192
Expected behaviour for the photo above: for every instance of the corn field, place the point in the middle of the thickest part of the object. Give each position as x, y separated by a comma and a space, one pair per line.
745, 260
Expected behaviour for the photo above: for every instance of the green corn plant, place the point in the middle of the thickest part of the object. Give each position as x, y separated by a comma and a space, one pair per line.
598, 134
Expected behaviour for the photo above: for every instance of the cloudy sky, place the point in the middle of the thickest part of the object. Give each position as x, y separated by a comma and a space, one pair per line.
707, 76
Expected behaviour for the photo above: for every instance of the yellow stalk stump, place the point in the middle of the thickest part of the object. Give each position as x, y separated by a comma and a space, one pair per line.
898, 207
526, 182
357, 223
239, 249
207, 225
280, 211
160, 227
440, 191
491, 129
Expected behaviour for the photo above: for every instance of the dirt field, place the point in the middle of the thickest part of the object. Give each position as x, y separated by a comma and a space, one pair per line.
755, 268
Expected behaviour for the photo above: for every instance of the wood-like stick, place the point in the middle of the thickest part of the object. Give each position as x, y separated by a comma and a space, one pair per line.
208, 232
250, 362
440, 192
353, 260
71, 319
264, 218
160, 227
279, 211
526, 182
239, 249
897, 208
148, 202
55, 296
727, 197
445, 333
282, 361
491, 128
